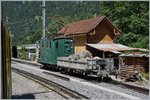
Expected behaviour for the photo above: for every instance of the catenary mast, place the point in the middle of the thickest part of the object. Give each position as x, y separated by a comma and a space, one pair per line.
43, 19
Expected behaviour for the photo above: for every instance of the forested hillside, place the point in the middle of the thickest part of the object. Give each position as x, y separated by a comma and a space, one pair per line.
132, 18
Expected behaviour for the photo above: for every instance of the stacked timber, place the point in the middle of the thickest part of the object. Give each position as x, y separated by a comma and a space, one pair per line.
129, 71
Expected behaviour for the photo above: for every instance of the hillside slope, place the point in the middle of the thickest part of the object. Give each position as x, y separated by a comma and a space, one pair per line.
131, 18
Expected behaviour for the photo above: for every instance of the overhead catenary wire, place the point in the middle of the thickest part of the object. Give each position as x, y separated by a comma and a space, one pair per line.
20, 21
13, 28
30, 20
33, 19
24, 24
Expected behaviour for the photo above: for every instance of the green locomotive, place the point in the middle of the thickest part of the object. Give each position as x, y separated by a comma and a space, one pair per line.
50, 49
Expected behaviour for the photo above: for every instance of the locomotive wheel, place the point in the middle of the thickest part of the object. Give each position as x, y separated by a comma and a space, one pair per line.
63, 70
85, 75
57, 68
99, 79
43, 67
71, 71
107, 79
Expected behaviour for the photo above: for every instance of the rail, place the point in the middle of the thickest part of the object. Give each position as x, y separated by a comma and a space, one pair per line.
56, 75
114, 82
136, 88
63, 91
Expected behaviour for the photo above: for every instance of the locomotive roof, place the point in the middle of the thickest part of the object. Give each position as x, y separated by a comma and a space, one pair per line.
61, 37
55, 38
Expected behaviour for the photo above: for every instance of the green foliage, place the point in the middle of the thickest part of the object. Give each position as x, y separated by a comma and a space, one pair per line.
55, 24
23, 54
134, 40
146, 75
131, 17
142, 42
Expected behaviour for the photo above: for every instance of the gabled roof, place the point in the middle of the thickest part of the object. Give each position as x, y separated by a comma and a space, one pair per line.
84, 26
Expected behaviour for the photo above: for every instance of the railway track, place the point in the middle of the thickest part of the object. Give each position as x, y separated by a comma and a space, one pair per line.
119, 84
113, 82
63, 91
56, 75
135, 88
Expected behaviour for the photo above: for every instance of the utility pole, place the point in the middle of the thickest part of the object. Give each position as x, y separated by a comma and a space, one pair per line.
11, 35
8, 26
43, 19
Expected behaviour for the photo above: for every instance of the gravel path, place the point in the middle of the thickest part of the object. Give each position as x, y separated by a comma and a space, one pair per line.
23, 88
89, 89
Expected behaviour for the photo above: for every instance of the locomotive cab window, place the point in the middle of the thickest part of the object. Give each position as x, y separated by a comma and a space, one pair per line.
46, 44
71, 44
56, 44
49, 44
42, 44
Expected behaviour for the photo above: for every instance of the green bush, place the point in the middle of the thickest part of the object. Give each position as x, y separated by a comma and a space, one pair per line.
23, 54
146, 75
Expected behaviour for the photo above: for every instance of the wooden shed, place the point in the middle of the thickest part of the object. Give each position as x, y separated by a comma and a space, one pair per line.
93, 30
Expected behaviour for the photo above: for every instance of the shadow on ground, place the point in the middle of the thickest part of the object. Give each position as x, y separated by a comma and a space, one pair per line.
24, 96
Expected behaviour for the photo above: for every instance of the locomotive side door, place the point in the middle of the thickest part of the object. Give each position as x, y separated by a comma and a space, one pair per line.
68, 47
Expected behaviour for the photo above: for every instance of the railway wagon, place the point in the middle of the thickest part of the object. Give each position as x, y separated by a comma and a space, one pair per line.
50, 49
92, 67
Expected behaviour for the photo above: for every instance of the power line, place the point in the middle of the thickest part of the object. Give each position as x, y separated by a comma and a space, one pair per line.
24, 24
20, 21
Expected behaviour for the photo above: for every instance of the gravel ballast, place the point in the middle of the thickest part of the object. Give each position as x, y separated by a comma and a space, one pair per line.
89, 89
24, 88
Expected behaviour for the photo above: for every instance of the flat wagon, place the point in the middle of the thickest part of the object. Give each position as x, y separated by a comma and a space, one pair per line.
92, 67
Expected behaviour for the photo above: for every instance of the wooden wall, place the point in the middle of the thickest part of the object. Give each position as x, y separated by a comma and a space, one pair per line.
79, 43
132, 64
143, 62
103, 33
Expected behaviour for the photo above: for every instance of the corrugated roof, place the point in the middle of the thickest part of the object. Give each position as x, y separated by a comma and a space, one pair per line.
134, 55
111, 47
84, 26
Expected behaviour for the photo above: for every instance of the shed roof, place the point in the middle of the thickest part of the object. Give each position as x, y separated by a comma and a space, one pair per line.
112, 47
134, 55
85, 26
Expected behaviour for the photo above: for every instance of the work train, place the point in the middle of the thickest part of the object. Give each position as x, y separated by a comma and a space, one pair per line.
53, 53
